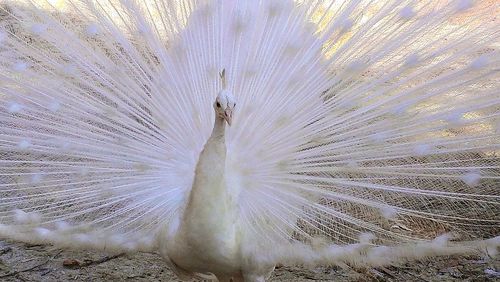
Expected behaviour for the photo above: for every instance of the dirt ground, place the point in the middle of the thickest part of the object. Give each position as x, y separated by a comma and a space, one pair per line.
23, 262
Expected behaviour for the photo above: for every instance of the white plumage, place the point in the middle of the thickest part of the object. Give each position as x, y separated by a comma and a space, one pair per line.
362, 132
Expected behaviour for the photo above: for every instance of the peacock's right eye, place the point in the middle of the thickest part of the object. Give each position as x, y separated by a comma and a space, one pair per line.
218, 105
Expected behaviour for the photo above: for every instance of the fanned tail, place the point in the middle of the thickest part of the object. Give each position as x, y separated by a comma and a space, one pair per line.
374, 124
101, 125
384, 123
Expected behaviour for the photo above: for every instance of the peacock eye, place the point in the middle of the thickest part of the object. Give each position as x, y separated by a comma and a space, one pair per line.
218, 105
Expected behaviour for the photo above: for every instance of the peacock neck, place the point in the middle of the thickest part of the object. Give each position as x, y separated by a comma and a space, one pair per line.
209, 197
207, 234
218, 133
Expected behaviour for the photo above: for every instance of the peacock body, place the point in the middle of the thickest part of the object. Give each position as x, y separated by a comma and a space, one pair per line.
231, 136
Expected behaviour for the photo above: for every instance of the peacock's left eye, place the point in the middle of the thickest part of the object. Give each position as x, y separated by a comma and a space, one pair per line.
218, 105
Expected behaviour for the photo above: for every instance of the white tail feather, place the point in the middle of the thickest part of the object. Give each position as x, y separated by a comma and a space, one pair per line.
353, 117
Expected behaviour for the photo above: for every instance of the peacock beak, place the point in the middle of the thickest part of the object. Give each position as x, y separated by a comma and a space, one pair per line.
228, 116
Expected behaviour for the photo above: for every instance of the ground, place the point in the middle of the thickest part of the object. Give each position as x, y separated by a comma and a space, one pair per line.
24, 262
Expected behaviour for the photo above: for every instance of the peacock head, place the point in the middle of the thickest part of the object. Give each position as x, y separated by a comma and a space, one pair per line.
224, 106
